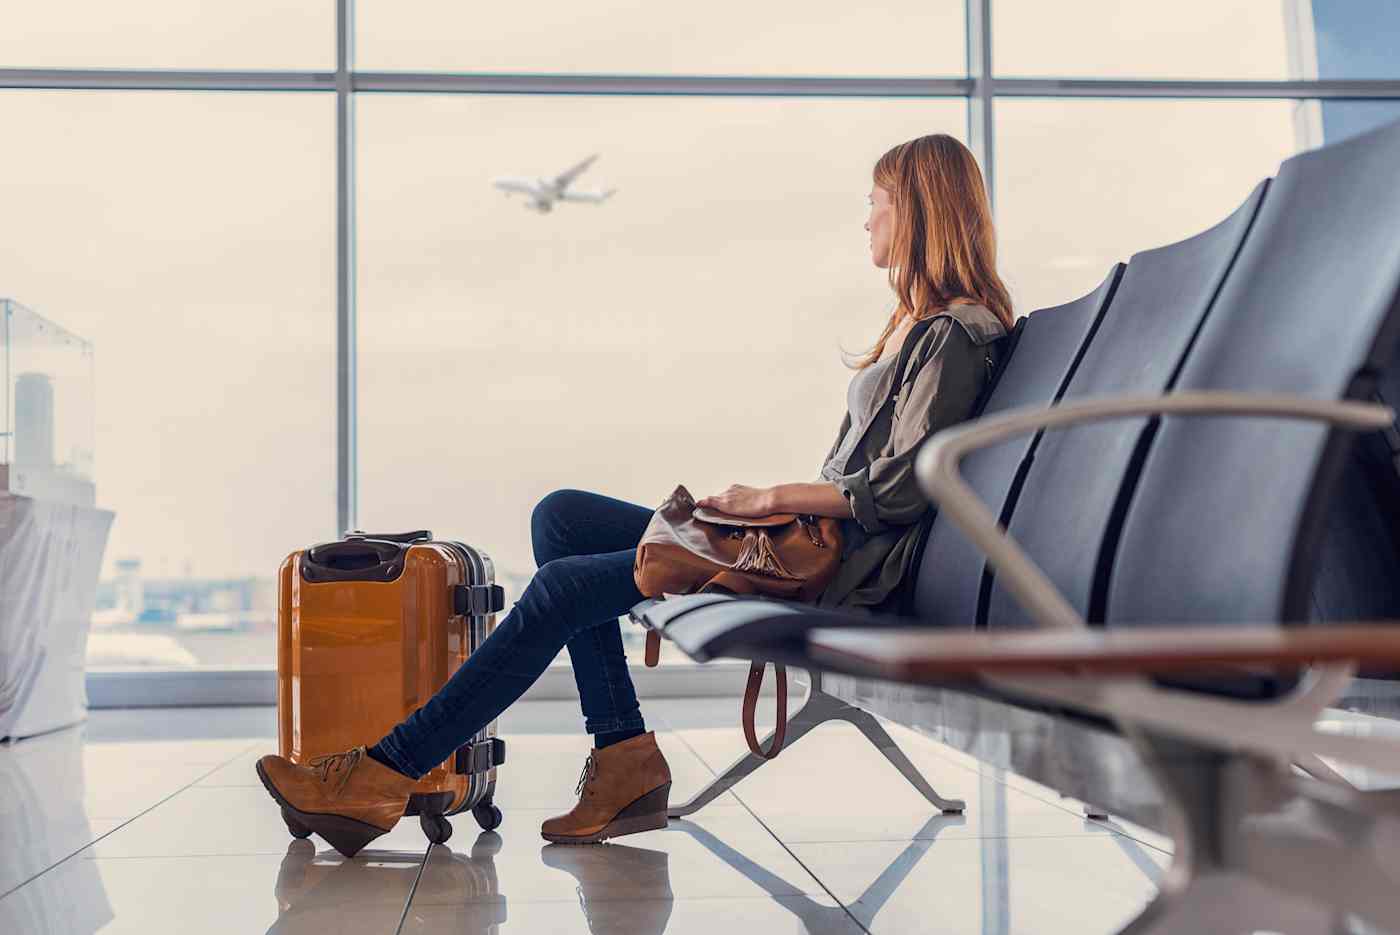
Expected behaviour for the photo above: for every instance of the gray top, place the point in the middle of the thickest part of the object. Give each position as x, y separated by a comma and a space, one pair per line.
947, 369
860, 398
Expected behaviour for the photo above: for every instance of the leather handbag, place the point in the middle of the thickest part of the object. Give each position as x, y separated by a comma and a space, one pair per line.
688, 549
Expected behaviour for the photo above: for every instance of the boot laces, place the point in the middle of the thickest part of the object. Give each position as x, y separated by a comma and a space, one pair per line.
338, 763
590, 771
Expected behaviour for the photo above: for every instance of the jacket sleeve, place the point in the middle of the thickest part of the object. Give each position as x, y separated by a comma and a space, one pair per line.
885, 492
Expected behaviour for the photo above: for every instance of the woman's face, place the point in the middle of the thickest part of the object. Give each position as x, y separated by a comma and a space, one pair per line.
880, 224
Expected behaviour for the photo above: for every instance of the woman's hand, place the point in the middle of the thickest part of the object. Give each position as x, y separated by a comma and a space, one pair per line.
738, 500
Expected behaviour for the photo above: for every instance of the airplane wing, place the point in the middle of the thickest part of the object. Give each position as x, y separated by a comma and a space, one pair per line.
567, 178
587, 196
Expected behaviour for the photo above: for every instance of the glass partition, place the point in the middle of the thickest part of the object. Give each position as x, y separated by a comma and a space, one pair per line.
46, 436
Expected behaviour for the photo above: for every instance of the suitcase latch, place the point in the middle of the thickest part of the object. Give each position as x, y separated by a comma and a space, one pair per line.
481, 756
478, 599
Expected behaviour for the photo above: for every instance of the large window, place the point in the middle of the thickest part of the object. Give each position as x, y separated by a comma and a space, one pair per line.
190, 238
623, 347
304, 306
1112, 39
722, 37
1084, 184
167, 34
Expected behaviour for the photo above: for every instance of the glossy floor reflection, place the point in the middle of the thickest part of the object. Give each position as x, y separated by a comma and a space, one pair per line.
154, 822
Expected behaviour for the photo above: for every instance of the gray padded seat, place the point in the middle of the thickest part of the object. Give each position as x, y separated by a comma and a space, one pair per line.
1068, 498
1226, 521
707, 625
1356, 578
949, 576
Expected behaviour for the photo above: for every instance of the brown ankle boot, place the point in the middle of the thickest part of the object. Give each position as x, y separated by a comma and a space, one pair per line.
347, 798
623, 790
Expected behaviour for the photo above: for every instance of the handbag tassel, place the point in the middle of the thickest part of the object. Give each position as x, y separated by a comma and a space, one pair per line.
758, 556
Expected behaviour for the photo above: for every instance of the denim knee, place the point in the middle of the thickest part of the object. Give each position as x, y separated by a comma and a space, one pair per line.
567, 595
545, 521
553, 585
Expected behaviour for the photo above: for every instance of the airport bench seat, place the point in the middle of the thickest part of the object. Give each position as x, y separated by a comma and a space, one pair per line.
1183, 487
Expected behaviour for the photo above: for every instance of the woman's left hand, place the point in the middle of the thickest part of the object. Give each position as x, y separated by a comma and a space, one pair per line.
738, 500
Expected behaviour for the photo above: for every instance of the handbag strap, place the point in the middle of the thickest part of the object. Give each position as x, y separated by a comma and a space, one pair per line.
751, 703
653, 651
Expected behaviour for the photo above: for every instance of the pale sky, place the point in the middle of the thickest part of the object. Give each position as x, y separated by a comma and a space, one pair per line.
688, 331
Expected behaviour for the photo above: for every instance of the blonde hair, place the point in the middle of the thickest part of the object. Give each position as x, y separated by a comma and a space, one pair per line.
943, 246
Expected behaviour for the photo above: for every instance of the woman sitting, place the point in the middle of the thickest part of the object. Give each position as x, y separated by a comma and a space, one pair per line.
930, 225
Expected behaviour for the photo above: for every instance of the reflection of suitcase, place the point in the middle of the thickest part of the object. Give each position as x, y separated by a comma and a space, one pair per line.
368, 628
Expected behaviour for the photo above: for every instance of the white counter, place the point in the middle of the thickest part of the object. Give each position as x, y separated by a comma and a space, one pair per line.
50, 559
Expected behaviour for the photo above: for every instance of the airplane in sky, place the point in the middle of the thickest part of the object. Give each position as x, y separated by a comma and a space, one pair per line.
542, 194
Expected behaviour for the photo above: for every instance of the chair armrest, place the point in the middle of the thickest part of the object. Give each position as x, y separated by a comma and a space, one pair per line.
937, 463
920, 655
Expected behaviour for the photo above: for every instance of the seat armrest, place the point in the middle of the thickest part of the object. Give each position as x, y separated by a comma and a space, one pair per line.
918, 655
1102, 674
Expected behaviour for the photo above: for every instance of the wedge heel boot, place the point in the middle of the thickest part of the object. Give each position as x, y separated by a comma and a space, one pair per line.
624, 789
347, 798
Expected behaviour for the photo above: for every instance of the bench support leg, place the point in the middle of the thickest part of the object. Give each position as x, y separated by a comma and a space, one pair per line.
819, 708
874, 731
1257, 848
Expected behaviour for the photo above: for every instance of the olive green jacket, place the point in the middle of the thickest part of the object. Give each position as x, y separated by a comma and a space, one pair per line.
945, 373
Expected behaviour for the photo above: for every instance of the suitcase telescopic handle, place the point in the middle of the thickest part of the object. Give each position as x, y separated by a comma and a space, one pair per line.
418, 535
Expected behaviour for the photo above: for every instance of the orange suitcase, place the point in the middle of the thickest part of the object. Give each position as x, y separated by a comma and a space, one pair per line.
369, 628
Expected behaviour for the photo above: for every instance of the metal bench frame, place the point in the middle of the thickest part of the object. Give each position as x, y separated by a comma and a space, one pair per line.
819, 708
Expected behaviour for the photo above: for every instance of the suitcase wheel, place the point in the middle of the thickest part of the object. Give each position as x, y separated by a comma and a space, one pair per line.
437, 828
294, 825
488, 816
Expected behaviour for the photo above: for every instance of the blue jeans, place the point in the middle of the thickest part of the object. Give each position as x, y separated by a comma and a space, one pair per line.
585, 545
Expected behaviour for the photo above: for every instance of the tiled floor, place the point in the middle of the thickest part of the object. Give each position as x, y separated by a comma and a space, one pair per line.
153, 821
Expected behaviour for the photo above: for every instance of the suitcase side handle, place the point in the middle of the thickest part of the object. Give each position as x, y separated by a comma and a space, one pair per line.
480, 755
478, 600
418, 535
